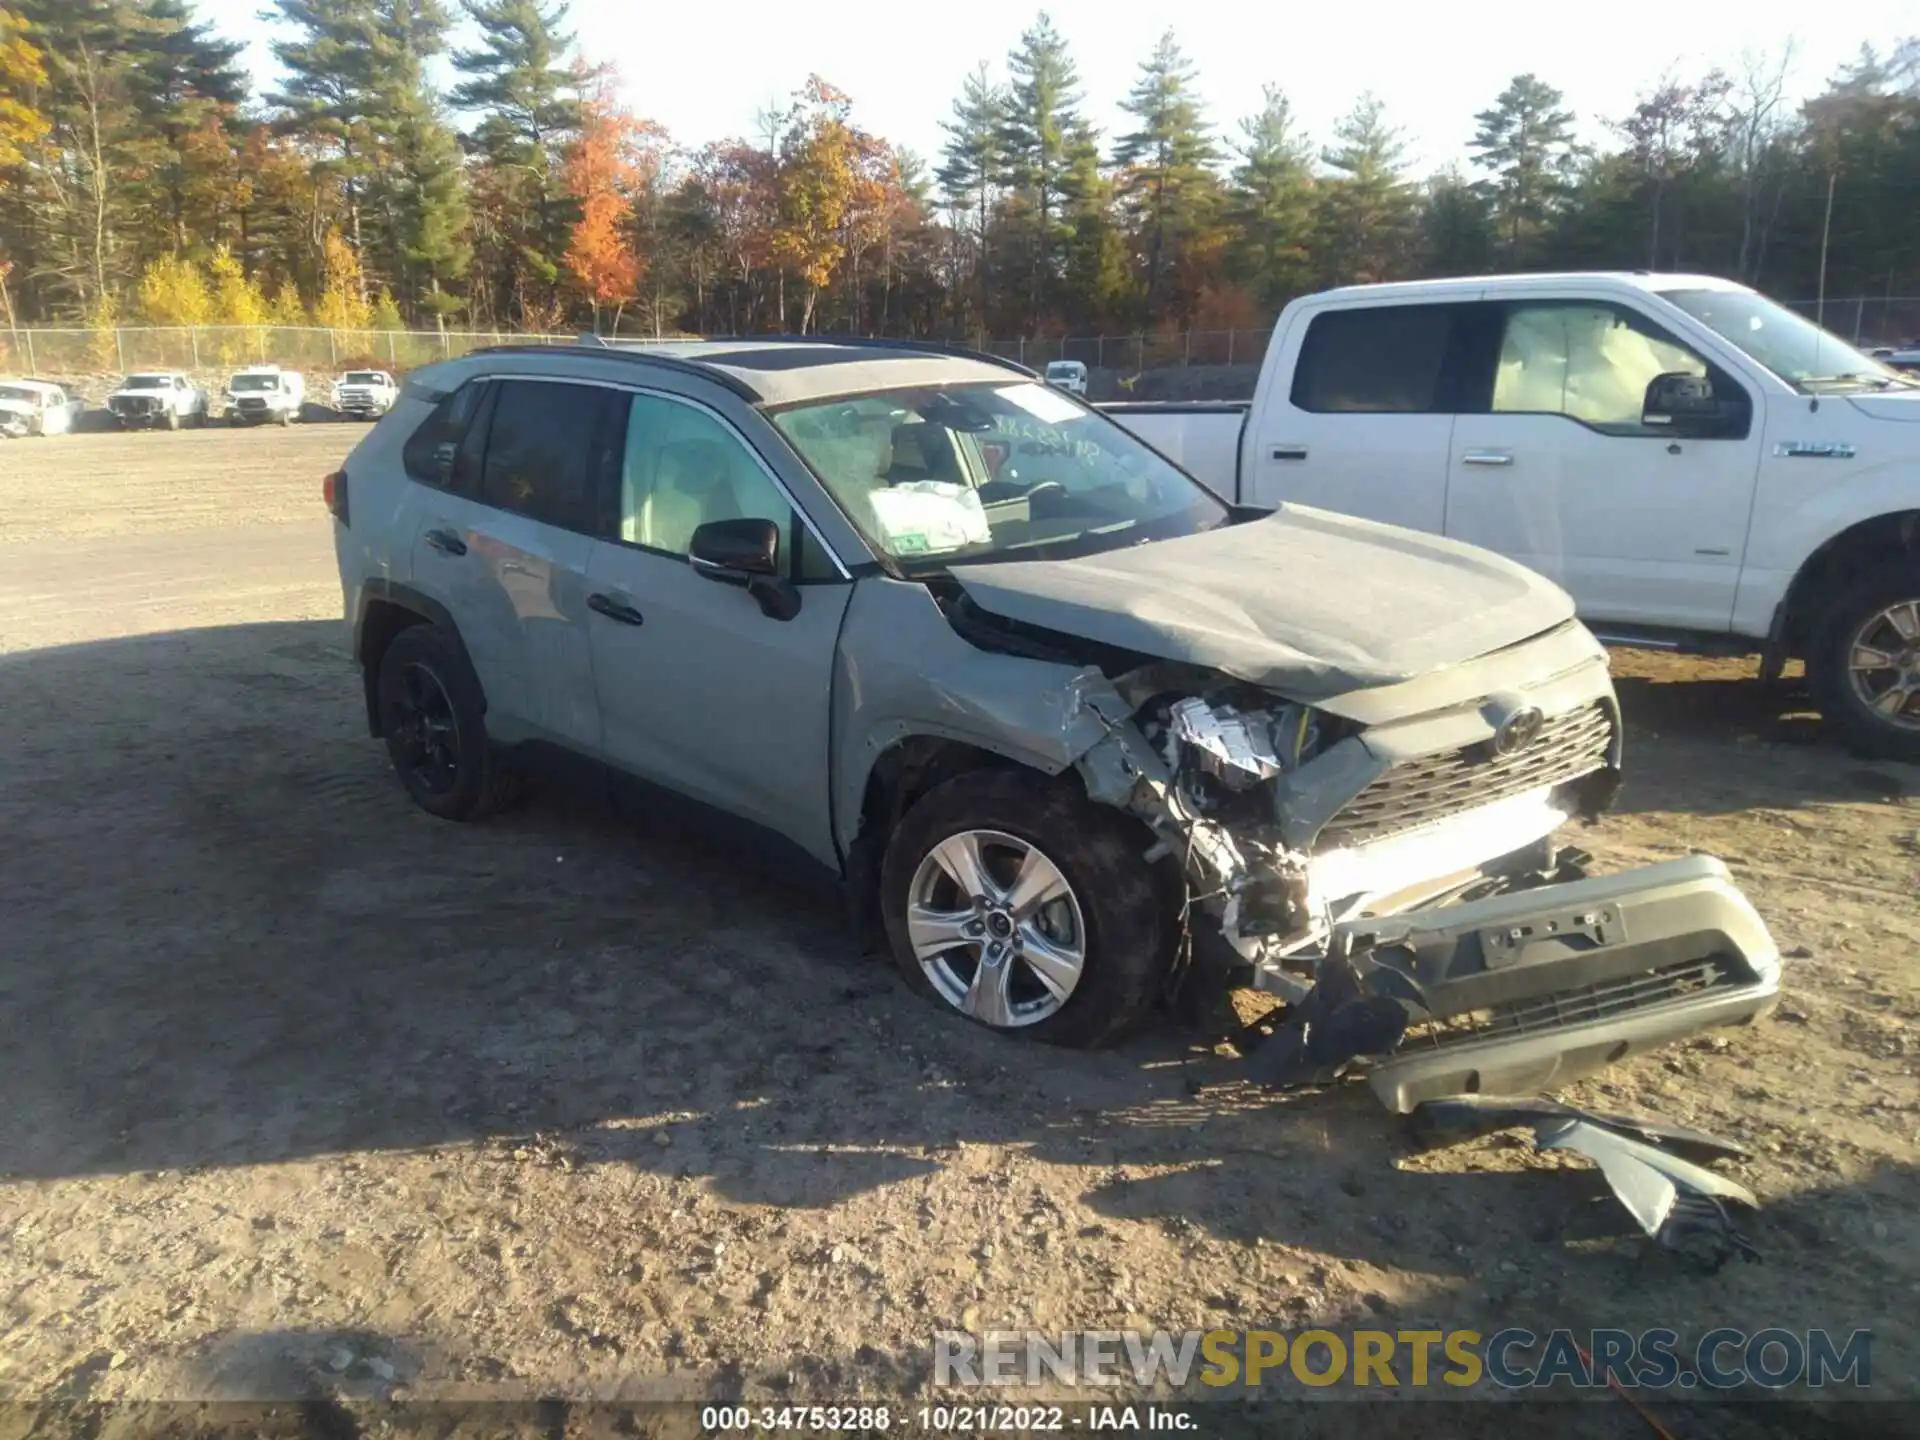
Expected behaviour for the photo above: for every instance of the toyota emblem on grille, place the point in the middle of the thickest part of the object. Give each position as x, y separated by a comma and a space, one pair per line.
1518, 730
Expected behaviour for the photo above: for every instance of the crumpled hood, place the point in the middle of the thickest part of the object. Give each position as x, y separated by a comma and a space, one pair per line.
1304, 602
1894, 405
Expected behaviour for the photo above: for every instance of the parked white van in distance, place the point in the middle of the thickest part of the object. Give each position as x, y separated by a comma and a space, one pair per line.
1068, 375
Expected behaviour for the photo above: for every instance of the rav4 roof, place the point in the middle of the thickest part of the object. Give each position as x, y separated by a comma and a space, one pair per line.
777, 370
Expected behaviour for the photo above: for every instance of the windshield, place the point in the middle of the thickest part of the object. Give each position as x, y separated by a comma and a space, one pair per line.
148, 382
963, 474
254, 382
17, 393
360, 377
1791, 346
1063, 368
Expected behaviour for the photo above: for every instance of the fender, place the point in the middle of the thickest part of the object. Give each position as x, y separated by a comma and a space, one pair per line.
378, 590
903, 670
1790, 526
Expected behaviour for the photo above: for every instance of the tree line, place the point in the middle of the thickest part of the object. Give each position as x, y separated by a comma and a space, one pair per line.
141, 179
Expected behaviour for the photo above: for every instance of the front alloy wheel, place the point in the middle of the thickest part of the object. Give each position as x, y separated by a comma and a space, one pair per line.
996, 928
1883, 664
1012, 898
1863, 663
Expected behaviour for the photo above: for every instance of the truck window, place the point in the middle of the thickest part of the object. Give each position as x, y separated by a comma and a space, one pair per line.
1587, 361
1380, 360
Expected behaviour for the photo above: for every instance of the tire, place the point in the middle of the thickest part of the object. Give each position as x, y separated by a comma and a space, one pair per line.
233, 422
1880, 612
283, 419
173, 420
1111, 907
425, 664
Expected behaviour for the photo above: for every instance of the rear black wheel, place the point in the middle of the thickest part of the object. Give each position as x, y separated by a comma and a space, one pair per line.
433, 720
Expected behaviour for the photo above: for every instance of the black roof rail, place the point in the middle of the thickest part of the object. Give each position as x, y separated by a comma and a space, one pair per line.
640, 356
881, 342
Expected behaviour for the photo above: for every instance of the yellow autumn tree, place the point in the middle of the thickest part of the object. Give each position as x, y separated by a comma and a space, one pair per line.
236, 295
238, 307
343, 295
287, 308
22, 73
103, 333
173, 291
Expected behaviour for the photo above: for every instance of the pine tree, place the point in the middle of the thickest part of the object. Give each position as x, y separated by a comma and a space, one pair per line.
431, 210
1166, 183
971, 164
1271, 205
1526, 140
1367, 208
188, 89
1095, 288
526, 91
1037, 129
1456, 229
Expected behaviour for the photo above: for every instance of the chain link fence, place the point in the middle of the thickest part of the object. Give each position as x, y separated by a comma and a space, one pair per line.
210, 349
1866, 320
57, 353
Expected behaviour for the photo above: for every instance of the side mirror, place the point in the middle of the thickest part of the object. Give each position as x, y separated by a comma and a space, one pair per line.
745, 553
1686, 405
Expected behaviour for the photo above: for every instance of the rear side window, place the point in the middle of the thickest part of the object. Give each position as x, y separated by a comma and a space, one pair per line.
429, 452
1385, 360
550, 450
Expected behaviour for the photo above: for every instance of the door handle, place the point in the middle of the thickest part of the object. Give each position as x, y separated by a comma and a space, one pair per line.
446, 542
1486, 457
614, 609
1288, 452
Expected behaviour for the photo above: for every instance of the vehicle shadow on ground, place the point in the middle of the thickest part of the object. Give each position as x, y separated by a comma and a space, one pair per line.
234, 942
1707, 746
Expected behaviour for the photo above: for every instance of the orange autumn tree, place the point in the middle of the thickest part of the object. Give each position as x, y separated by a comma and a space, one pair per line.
615, 157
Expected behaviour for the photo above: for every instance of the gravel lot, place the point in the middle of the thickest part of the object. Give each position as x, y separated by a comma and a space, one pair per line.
563, 1104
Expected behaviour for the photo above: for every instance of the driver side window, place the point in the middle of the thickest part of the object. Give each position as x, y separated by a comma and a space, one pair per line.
683, 468
1591, 363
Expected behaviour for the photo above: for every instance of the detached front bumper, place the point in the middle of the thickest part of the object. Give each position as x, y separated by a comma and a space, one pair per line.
1531, 989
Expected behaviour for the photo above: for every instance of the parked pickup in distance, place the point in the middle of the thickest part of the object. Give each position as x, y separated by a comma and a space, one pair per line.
1701, 468
163, 398
365, 394
36, 407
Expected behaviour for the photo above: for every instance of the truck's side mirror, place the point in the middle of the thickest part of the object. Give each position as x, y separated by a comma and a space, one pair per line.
1685, 404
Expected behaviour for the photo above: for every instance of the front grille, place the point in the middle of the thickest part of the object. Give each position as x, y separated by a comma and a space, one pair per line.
1433, 787
253, 404
1605, 1000
132, 405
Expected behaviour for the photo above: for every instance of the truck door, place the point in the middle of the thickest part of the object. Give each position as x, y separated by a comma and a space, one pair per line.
1359, 418
1553, 465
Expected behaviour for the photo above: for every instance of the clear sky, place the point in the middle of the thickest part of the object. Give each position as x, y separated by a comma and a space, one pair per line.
702, 70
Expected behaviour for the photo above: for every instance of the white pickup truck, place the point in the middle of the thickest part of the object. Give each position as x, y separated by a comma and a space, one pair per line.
365, 394
164, 398
1701, 468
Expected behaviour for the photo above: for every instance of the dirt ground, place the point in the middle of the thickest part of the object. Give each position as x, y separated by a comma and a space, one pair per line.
302, 1087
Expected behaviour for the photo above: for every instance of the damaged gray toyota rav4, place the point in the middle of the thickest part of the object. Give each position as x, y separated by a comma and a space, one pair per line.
1073, 728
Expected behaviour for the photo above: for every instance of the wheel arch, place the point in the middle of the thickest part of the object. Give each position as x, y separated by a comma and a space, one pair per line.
386, 609
1841, 558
